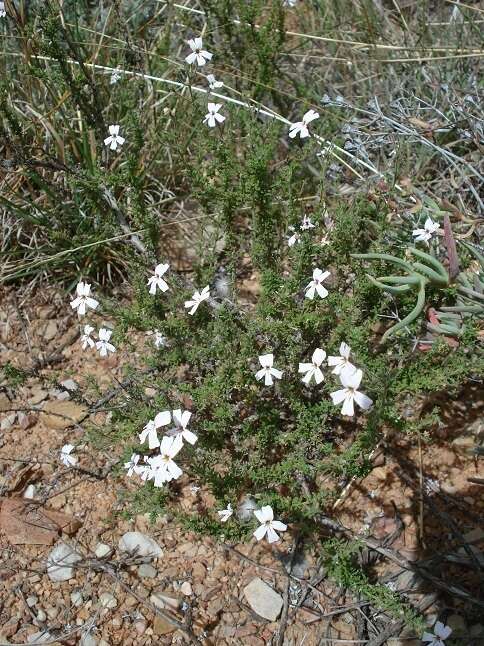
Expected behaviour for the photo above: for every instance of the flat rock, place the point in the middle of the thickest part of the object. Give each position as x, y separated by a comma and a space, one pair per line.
165, 601
59, 414
69, 384
59, 562
102, 550
140, 544
162, 627
88, 640
263, 600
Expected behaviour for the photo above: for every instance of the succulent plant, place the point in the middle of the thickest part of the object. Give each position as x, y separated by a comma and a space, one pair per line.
419, 275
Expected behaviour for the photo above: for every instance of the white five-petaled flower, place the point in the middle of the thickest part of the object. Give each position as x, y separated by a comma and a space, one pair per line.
83, 300
313, 369
150, 430
301, 127
198, 55
114, 140
268, 525
441, 632
425, 234
103, 344
350, 393
267, 371
86, 337
132, 465
157, 281
342, 363
66, 457
294, 238
316, 284
181, 420
306, 223
163, 466
197, 298
3, 13
213, 84
213, 116
225, 514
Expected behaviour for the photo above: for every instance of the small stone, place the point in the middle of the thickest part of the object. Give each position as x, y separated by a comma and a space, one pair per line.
59, 562
458, 625
165, 601
161, 626
50, 330
186, 588
140, 544
52, 612
108, 600
38, 394
263, 600
102, 550
140, 627
41, 615
59, 415
474, 535
29, 492
32, 600
76, 598
69, 384
147, 571
7, 422
9, 629
88, 640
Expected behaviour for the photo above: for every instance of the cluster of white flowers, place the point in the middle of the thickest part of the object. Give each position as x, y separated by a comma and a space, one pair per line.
161, 468
3, 13
82, 302
349, 376
295, 236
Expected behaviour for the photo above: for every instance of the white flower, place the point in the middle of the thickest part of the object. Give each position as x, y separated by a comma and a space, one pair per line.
313, 369
316, 284
342, 363
213, 83
267, 371
306, 223
86, 337
181, 422
160, 340
132, 465
225, 514
103, 344
349, 394
265, 516
114, 140
301, 127
66, 457
3, 13
197, 298
294, 238
198, 55
441, 632
150, 430
156, 281
425, 234
83, 299
164, 468
212, 116
115, 76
